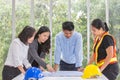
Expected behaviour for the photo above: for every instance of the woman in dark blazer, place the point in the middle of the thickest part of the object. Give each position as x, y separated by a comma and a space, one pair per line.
39, 48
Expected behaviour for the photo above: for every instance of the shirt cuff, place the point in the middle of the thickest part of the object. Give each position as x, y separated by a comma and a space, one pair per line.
28, 66
78, 65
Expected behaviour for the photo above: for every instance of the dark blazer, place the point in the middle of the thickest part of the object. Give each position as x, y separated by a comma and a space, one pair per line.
33, 54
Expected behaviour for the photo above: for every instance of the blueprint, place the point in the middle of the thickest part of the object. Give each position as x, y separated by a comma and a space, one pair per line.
63, 74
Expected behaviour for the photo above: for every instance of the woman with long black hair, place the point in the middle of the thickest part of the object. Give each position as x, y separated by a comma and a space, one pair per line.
39, 48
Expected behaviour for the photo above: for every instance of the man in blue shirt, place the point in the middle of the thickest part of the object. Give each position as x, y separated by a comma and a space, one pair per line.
68, 49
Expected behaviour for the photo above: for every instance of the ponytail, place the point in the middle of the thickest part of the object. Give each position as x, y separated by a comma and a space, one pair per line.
106, 27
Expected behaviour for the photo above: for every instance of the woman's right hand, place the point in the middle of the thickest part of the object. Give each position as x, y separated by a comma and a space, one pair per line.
49, 68
42, 69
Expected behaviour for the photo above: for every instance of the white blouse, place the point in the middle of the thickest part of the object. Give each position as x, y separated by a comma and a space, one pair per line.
17, 54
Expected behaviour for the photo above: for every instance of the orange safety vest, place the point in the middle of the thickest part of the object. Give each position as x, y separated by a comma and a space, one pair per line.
101, 62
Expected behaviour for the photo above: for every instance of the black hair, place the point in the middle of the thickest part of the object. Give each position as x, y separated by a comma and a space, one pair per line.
97, 23
26, 33
46, 45
68, 25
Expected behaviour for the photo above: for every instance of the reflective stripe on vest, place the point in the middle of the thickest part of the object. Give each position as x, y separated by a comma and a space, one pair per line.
101, 62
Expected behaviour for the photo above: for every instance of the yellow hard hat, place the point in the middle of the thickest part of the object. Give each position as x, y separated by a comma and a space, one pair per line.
91, 71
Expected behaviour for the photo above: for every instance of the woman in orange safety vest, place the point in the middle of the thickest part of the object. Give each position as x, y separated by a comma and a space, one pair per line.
104, 50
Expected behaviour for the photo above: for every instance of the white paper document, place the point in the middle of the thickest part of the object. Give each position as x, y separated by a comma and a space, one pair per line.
68, 75
63, 74
19, 77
